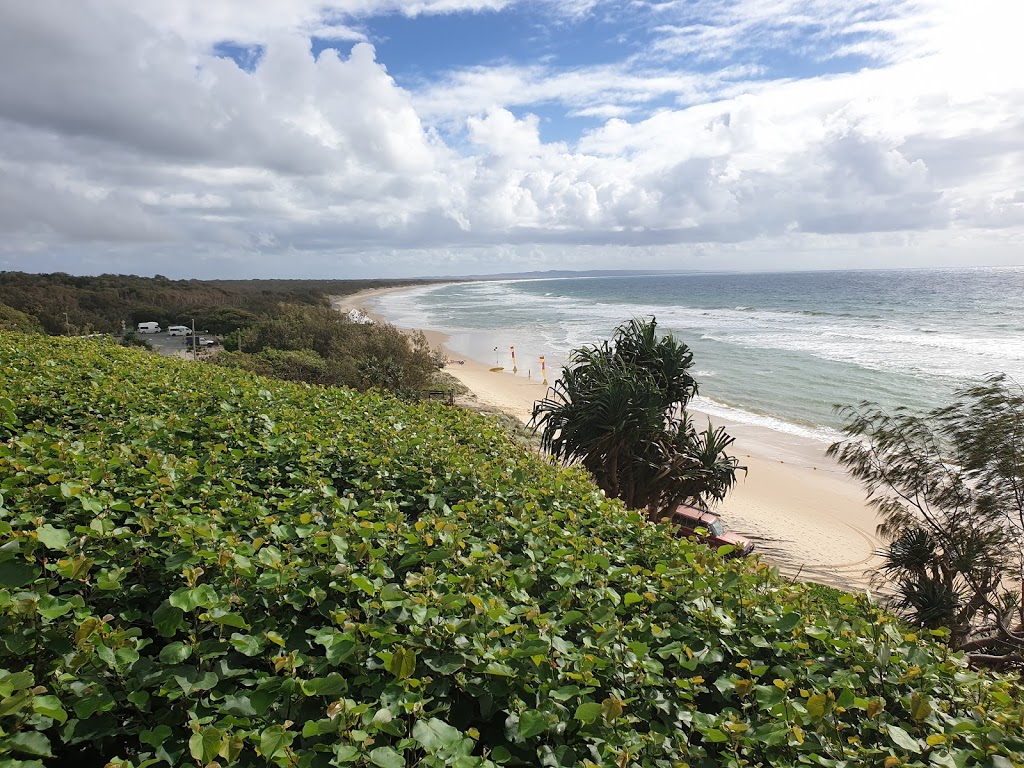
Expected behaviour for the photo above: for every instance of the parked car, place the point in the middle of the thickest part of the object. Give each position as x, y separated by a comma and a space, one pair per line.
707, 527
179, 330
198, 341
148, 328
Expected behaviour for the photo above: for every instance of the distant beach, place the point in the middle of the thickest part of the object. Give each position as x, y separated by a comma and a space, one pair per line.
805, 514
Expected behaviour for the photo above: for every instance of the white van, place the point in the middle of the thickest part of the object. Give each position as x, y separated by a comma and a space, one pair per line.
178, 330
148, 328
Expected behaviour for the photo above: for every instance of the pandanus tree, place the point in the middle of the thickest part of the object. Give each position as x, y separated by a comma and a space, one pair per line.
619, 410
949, 487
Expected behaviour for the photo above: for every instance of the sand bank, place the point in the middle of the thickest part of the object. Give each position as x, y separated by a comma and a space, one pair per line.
805, 514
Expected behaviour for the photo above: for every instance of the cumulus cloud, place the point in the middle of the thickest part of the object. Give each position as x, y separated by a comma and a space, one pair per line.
124, 133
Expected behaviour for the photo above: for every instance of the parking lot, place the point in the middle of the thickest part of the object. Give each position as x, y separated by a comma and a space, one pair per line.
171, 346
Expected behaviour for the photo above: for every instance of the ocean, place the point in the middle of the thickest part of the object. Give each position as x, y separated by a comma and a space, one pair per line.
779, 350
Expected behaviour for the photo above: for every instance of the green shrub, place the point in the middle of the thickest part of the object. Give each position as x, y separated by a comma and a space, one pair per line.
201, 566
330, 349
302, 365
13, 320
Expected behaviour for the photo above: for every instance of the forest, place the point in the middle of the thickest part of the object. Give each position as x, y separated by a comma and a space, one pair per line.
66, 304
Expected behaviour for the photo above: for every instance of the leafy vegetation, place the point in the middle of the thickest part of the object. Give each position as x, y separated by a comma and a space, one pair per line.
205, 567
619, 409
949, 485
320, 346
13, 320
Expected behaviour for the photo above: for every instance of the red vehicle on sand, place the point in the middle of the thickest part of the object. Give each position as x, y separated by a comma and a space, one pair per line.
707, 527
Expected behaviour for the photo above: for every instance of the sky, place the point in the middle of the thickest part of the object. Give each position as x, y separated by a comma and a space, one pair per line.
391, 138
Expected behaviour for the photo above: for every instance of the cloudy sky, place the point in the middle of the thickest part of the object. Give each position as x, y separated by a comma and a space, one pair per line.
360, 138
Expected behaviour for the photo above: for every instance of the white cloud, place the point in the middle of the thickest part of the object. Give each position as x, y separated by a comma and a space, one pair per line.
620, 88
717, 29
256, 21
121, 131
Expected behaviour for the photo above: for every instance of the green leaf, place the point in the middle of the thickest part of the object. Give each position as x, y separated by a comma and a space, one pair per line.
232, 748
500, 755
191, 679
175, 653
269, 555
788, 622
228, 619
445, 664
499, 669
392, 593
239, 705
246, 644
189, 599
15, 703
51, 607
571, 617
346, 753
17, 573
403, 663
275, 739
157, 736
97, 700
50, 706
386, 757
565, 693
714, 735
31, 743
10, 683
903, 740
532, 722
205, 744
8, 417
439, 738
768, 695
168, 620
53, 538
588, 712
364, 584
332, 685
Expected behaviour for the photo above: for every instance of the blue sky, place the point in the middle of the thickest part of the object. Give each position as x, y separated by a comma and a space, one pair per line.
226, 138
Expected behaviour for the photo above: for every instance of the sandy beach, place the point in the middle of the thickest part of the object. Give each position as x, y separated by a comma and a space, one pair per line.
804, 513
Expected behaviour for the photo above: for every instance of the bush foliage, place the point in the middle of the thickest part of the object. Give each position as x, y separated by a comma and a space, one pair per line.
201, 566
13, 320
317, 345
949, 486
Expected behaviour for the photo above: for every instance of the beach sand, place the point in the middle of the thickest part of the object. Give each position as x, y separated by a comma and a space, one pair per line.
804, 513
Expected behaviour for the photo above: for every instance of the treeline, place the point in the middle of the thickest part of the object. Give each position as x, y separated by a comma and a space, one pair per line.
66, 304
280, 328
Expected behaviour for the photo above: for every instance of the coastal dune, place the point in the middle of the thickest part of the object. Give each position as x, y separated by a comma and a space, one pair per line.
805, 514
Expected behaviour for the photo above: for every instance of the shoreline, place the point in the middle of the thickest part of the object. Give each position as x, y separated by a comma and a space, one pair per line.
806, 515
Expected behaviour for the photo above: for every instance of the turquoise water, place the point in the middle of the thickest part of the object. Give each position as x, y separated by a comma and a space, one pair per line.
778, 349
